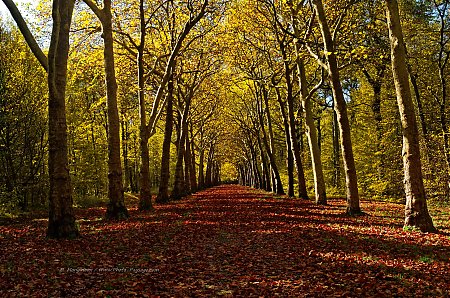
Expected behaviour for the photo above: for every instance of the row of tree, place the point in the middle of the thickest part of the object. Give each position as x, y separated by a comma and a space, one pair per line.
165, 59
169, 97
308, 63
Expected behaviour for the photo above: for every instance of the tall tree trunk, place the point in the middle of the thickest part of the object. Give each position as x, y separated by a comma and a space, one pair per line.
201, 163
291, 134
416, 210
126, 163
289, 157
254, 162
311, 134
208, 174
179, 189
145, 197
61, 221
188, 163
296, 150
267, 139
192, 172
336, 154
163, 193
443, 59
340, 107
265, 167
116, 206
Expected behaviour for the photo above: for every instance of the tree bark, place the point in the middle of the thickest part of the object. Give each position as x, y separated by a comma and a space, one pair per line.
266, 171
416, 211
179, 188
289, 157
163, 193
296, 150
116, 206
192, 172
340, 108
201, 163
187, 162
145, 196
268, 143
311, 134
61, 222
208, 174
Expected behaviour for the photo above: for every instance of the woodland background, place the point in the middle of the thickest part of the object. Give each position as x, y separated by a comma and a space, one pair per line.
225, 61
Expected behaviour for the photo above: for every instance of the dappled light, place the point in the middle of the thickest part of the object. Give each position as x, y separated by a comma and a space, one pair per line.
231, 240
205, 148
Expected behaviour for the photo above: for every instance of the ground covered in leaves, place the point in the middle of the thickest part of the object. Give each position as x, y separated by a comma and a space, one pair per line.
230, 241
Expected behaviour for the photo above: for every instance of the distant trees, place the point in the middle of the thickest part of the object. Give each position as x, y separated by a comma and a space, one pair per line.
332, 37
23, 121
190, 90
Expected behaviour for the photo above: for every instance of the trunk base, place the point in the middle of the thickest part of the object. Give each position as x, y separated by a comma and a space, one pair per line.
354, 211
145, 202
64, 228
321, 200
145, 205
114, 212
304, 197
162, 199
178, 196
423, 223
280, 192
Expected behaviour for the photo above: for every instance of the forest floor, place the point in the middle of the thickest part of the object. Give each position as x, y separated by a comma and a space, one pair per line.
230, 241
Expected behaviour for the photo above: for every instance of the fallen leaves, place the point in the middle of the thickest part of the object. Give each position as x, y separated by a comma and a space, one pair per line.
229, 241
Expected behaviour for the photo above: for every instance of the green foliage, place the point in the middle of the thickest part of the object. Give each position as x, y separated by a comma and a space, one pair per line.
23, 137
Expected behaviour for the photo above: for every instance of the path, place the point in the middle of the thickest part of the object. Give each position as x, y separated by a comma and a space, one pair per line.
230, 241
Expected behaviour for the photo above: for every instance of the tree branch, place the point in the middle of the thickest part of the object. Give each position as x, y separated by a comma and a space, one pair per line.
29, 38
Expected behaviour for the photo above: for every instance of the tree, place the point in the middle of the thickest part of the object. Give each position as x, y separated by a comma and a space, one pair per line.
340, 108
61, 222
116, 207
416, 210
23, 122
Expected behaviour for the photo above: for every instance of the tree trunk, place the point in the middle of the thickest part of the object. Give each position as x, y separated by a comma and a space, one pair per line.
296, 150
254, 163
126, 163
208, 174
188, 163
179, 189
291, 134
265, 167
116, 207
61, 221
416, 211
289, 160
340, 108
192, 172
268, 144
201, 173
336, 154
311, 134
163, 193
145, 196
289, 157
